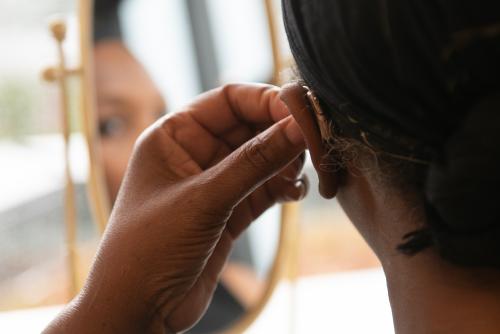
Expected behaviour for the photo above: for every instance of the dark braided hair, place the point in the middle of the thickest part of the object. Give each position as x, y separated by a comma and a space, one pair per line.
418, 80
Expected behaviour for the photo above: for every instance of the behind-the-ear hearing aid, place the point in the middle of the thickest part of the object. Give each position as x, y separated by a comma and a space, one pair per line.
324, 126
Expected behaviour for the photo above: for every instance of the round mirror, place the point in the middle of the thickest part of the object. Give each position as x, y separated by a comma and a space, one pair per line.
151, 57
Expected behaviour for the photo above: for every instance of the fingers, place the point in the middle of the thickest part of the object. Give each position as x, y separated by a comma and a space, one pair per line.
223, 119
203, 147
277, 190
256, 162
224, 108
231, 110
289, 185
289, 191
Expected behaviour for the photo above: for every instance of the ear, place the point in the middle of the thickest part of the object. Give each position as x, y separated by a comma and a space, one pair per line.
295, 98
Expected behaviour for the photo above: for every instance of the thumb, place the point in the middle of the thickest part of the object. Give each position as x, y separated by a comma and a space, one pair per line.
256, 162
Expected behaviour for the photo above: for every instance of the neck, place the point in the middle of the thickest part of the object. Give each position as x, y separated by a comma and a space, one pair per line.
429, 295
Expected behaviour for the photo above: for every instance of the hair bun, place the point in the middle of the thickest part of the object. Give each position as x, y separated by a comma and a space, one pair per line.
463, 189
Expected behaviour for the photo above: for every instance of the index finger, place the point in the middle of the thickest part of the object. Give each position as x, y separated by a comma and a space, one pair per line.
230, 107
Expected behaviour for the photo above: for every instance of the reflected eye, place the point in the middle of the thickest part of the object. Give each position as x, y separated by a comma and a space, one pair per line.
111, 127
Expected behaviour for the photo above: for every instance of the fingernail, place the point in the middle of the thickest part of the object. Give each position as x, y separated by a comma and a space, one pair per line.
294, 133
304, 184
301, 187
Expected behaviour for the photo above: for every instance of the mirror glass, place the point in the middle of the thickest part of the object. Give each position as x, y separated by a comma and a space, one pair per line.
153, 56
34, 264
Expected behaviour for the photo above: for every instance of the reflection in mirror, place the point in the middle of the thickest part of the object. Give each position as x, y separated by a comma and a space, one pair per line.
145, 69
34, 262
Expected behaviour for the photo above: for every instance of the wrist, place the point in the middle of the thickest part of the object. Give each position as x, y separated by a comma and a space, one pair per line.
106, 306
84, 316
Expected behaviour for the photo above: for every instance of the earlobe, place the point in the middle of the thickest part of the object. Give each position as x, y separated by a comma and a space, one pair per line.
301, 108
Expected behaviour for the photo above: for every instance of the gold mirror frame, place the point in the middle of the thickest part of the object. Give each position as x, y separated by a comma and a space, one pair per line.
96, 189
285, 260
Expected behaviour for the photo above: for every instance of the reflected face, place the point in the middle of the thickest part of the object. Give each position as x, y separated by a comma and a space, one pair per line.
127, 102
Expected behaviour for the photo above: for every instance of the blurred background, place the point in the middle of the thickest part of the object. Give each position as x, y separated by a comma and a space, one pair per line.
186, 47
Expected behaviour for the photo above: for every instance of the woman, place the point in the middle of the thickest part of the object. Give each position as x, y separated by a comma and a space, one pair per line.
404, 131
400, 117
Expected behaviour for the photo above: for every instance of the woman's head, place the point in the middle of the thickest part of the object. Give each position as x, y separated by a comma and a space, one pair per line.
127, 102
417, 82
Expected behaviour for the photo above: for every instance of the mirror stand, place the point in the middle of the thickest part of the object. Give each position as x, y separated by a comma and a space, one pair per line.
96, 188
59, 75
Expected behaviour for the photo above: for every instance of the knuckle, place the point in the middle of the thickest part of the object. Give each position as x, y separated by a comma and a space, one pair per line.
154, 138
227, 88
166, 126
145, 140
257, 154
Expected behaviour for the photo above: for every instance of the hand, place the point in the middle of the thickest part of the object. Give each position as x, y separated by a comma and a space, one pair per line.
195, 181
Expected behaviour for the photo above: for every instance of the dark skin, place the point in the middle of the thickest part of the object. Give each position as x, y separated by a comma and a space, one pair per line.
182, 205
427, 294
128, 101
195, 181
